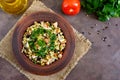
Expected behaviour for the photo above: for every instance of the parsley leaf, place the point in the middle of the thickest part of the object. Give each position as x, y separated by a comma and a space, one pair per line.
104, 9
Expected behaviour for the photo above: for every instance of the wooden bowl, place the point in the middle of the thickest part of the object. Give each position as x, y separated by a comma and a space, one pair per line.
24, 61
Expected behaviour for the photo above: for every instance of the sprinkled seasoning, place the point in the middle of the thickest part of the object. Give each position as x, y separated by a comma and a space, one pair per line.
91, 27
96, 24
116, 24
104, 39
109, 23
89, 33
109, 45
92, 42
106, 27
83, 32
98, 32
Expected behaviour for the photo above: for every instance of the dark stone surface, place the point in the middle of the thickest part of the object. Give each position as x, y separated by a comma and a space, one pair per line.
102, 62
8, 72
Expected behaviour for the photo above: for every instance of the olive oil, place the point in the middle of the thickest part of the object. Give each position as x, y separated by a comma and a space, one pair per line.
13, 6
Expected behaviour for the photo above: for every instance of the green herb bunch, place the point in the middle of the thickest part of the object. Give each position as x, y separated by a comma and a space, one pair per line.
104, 9
44, 47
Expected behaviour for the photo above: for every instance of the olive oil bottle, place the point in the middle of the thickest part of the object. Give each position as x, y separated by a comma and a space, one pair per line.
14, 6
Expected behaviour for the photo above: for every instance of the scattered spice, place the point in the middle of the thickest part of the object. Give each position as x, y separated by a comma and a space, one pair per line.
103, 29
98, 32
116, 24
95, 24
106, 27
92, 42
109, 23
104, 39
109, 45
91, 27
89, 33
83, 32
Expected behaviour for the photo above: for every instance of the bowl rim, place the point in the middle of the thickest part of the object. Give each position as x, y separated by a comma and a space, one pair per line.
17, 45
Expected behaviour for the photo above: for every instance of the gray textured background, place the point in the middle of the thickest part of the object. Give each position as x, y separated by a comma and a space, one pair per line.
102, 62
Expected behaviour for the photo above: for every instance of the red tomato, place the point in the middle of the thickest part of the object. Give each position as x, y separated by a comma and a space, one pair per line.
71, 7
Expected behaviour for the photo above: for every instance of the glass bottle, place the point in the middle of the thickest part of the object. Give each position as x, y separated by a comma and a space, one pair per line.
13, 6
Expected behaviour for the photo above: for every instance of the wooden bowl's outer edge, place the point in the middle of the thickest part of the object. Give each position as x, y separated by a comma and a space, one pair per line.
23, 60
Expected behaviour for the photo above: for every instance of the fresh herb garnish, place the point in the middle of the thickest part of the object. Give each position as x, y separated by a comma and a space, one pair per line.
44, 48
104, 9
41, 43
